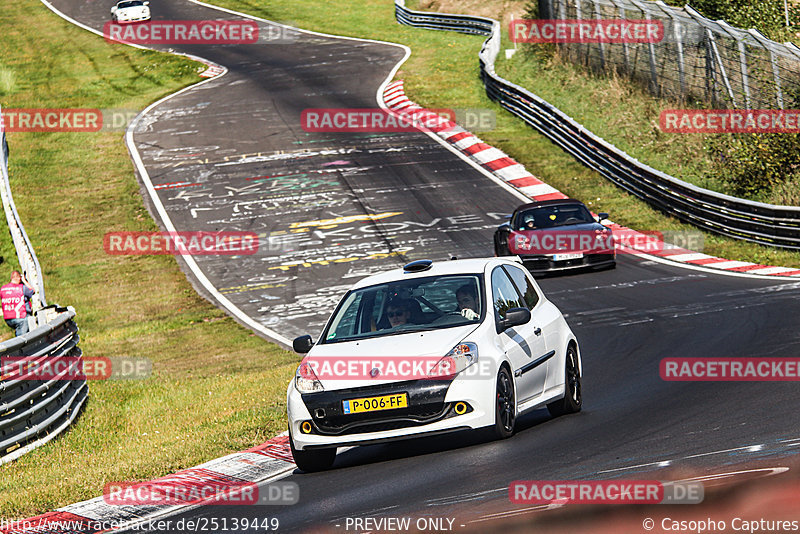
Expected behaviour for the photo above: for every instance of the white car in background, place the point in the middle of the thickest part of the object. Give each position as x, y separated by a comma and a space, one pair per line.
489, 345
131, 11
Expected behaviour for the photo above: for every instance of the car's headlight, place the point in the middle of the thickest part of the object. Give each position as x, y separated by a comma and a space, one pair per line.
305, 379
459, 358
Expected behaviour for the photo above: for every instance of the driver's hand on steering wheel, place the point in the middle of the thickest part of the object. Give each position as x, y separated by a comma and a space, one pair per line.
469, 314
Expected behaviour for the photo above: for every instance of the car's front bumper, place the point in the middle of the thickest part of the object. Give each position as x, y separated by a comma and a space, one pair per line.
544, 264
431, 410
127, 19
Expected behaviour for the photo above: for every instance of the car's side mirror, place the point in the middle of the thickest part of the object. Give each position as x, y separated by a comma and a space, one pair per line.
302, 344
516, 317
147, 3
602, 216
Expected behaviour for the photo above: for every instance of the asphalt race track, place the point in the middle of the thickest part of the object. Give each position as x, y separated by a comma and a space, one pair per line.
231, 155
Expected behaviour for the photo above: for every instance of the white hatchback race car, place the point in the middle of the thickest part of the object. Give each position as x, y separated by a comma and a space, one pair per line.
130, 11
427, 349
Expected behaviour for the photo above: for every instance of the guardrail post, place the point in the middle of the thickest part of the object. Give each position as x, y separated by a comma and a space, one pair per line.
655, 88
773, 61
602, 46
742, 60
625, 50
677, 32
581, 47
545, 9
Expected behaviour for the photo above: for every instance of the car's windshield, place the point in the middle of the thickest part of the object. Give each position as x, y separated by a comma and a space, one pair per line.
131, 3
407, 306
550, 216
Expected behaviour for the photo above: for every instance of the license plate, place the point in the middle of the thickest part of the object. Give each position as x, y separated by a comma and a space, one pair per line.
564, 257
374, 404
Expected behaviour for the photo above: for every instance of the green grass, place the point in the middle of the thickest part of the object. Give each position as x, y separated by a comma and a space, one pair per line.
216, 388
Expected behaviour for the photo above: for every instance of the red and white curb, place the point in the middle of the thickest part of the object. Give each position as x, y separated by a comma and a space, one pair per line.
513, 173
212, 70
269, 461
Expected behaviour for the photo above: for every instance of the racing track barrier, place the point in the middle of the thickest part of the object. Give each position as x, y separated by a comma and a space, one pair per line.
32, 412
757, 222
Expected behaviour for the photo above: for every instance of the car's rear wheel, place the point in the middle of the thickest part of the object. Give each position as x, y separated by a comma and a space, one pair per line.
505, 405
572, 401
313, 460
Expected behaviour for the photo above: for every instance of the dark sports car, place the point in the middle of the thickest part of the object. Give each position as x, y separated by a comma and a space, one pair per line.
554, 235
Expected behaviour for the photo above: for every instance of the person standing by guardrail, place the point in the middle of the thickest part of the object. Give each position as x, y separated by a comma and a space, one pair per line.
16, 300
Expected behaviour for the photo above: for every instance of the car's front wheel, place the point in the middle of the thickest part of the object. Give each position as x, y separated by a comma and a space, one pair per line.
501, 244
313, 460
505, 405
572, 401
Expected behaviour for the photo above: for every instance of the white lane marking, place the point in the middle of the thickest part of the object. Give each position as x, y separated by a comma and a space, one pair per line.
466, 497
775, 278
521, 511
467, 142
729, 264
772, 270
748, 448
694, 256
628, 323
489, 155
765, 472
538, 189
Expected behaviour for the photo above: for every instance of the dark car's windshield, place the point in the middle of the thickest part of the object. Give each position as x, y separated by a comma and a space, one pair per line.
407, 306
550, 216
131, 3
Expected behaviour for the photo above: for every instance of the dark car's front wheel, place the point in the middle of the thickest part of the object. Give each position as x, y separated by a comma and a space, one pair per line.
313, 460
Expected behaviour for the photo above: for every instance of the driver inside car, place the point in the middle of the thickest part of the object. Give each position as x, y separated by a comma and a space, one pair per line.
467, 302
398, 312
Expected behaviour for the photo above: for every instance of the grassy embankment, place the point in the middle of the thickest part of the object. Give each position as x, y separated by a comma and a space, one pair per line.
216, 388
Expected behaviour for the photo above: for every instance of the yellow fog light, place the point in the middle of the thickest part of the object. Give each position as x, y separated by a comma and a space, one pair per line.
460, 408
305, 427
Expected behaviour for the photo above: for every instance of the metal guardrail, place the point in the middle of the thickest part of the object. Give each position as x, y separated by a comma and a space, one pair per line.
28, 262
738, 218
32, 412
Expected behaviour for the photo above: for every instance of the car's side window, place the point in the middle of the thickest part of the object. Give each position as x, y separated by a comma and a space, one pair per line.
524, 285
346, 321
504, 295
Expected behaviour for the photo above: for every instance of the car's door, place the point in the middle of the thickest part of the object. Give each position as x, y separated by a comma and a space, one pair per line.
543, 316
524, 345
